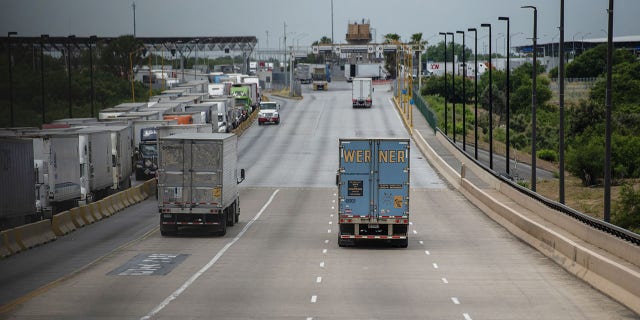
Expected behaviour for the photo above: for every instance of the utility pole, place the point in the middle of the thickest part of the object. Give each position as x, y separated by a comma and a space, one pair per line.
561, 96
134, 19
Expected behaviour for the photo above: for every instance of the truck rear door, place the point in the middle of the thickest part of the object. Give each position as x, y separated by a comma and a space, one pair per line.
356, 178
392, 178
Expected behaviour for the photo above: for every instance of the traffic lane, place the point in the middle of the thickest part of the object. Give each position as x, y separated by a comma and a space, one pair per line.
105, 289
23, 273
491, 273
270, 272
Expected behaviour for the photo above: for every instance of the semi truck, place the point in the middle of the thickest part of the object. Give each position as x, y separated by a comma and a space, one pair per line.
362, 92
373, 191
320, 79
303, 73
198, 182
363, 70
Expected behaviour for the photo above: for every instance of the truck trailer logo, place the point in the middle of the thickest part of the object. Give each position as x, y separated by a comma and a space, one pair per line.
384, 156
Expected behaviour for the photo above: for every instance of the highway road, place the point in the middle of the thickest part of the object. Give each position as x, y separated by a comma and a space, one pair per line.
282, 260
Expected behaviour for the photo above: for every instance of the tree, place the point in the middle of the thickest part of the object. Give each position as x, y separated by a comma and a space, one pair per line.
593, 62
390, 58
436, 53
115, 56
323, 40
627, 210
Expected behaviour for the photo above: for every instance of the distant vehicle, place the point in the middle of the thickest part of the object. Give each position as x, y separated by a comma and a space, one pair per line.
373, 188
320, 79
364, 70
269, 113
303, 73
198, 182
362, 92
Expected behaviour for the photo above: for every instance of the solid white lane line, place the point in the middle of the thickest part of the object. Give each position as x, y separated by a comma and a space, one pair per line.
314, 299
435, 265
455, 300
445, 280
467, 316
206, 267
318, 279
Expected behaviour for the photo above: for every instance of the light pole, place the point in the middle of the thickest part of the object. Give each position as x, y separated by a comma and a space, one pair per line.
453, 85
92, 40
561, 96
475, 85
488, 25
446, 93
42, 38
70, 39
508, 107
534, 72
464, 93
9, 34
608, 103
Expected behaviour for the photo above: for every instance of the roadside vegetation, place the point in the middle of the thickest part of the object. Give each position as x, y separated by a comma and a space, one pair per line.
111, 77
584, 127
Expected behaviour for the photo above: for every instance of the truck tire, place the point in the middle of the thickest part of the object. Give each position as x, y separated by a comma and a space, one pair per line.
401, 243
230, 216
223, 225
167, 230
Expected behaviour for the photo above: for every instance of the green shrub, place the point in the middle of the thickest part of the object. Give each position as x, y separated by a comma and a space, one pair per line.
548, 155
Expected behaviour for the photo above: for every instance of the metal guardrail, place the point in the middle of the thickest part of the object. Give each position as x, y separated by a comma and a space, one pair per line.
603, 226
422, 105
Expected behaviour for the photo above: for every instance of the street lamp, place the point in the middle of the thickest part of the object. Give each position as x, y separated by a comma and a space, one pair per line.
508, 107
475, 85
42, 38
534, 72
453, 84
9, 34
464, 93
561, 103
488, 25
92, 40
446, 93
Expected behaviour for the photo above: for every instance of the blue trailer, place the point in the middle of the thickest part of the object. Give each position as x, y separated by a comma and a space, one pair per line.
373, 190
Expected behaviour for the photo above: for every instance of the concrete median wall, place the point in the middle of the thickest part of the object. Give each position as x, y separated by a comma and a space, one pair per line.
606, 262
30, 235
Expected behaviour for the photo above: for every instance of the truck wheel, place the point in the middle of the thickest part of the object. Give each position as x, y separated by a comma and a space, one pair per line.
230, 216
402, 243
223, 225
167, 230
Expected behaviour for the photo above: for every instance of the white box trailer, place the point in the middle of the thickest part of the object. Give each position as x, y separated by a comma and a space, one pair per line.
198, 182
121, 156
169, 130
96, 176
56, 161
210, 111
142, 124
17, 203
362, 92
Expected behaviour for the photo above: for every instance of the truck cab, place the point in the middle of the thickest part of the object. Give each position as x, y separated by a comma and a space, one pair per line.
147, 156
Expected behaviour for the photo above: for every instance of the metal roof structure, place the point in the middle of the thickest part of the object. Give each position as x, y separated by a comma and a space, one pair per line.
245, 44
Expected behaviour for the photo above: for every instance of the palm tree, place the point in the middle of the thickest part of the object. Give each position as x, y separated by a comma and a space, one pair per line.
418, 45
390, 58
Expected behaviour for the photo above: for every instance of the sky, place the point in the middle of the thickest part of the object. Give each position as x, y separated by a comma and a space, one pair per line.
307, 21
